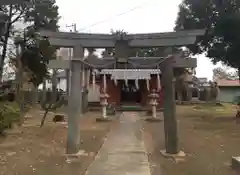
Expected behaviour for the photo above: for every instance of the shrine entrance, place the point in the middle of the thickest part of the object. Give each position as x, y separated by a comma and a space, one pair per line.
123, 67
129, 92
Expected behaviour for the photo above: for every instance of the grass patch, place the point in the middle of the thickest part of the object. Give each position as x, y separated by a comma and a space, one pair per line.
209, 112
9, 114
208, 134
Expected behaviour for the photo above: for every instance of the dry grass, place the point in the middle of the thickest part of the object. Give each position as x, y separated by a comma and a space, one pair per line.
209, 135
33, 150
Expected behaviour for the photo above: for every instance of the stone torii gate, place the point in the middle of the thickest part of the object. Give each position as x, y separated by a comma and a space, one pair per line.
122, 44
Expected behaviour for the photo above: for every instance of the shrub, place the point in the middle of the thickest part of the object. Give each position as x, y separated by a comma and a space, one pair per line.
9, 96
236, 100
9, 114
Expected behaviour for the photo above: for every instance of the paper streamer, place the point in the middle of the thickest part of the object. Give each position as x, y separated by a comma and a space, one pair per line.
83, 78
126, 82
158, 82
88, 77
115, 82
93, 79
137, 84
104, 82
148, 85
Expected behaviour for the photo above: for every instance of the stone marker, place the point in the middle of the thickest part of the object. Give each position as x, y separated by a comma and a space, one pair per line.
236, 163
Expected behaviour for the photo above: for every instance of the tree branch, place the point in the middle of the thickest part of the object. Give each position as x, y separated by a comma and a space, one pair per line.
2, 39
18, 17
15, 12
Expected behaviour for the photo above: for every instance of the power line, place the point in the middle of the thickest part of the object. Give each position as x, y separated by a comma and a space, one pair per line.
115, 16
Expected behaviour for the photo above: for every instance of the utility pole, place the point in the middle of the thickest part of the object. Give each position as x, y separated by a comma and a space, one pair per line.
74, 26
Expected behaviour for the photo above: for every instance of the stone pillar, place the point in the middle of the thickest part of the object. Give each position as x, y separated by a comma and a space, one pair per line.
84, 92
44, 92
19, 83
54, 86
67, 81
35, 95
66, 98
75, 102
170, 121
190, 91
68, 72
122, 50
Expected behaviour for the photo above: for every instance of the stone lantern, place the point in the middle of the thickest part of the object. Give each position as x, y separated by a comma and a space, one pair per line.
104, 103
153, 101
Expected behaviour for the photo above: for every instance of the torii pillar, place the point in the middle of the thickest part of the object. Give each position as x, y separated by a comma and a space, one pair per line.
170, 121
75, 101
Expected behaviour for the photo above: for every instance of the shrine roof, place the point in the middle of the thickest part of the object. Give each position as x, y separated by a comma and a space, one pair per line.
129, 63
96, 62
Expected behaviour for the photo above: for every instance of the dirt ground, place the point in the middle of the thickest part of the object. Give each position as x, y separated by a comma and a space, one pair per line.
41, 151
208, 135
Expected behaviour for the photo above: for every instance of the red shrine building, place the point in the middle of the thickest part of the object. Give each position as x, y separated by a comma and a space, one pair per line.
130, 85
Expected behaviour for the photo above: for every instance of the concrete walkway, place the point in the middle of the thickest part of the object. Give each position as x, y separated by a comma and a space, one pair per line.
123, 151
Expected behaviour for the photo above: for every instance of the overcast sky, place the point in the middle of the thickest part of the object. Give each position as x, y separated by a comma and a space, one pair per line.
133, 16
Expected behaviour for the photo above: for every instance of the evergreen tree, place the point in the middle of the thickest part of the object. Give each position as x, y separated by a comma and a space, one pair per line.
36, 52
221, 19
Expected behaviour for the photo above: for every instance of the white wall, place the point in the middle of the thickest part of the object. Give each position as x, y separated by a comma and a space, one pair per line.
60, 85
94, 93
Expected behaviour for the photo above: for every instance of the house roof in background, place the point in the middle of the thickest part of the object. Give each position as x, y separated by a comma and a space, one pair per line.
202, 80
228, 83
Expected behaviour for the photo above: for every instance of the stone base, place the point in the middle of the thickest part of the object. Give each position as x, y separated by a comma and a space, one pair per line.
75, 157
179, 157
59, 118
101, 119
153, 120
236, 163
